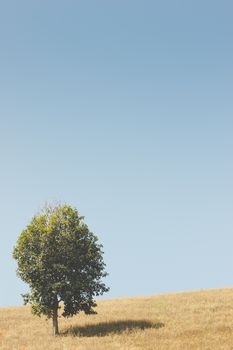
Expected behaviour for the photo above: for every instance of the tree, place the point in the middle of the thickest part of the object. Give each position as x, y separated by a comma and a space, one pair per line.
62, 262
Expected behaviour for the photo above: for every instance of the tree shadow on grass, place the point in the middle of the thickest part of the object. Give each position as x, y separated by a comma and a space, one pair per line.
105, 328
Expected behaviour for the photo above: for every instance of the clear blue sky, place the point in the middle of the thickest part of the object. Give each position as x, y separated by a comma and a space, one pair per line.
123, 109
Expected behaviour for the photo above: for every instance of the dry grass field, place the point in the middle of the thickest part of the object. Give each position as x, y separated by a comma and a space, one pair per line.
188, 321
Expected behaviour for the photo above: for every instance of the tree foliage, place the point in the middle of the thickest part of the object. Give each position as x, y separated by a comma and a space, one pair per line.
61, 261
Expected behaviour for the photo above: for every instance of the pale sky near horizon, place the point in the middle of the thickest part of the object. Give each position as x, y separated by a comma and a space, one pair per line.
124, 110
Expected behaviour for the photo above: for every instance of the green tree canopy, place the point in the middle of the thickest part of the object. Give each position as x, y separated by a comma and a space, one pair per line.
61, 261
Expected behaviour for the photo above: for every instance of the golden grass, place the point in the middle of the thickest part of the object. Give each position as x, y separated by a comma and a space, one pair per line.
188, 321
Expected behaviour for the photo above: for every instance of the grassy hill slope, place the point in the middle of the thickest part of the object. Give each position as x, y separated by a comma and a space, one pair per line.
188, 321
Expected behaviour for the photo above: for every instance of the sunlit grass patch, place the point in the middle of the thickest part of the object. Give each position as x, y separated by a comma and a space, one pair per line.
183, 321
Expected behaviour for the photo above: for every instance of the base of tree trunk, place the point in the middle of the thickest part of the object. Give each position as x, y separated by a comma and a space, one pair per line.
55, 322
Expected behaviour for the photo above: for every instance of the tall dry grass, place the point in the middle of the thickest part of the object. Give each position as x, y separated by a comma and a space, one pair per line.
188, 321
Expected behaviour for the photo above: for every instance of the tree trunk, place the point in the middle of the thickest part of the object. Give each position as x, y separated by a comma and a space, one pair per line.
55, 320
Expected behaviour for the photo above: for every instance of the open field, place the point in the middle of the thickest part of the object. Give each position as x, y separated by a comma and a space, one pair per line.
198, 320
